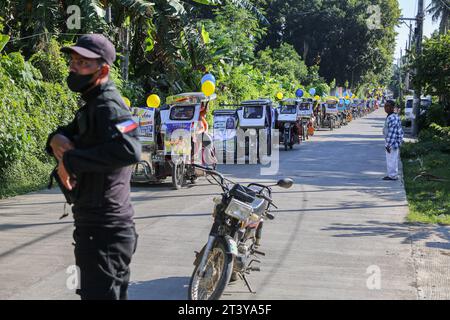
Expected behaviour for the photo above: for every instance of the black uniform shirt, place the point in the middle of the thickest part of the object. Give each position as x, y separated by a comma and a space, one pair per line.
106, 145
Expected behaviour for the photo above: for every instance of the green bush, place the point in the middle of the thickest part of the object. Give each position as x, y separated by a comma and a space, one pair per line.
25, 175
50, 62
437, 114
437, 134
433, 139
34, 101
30, 109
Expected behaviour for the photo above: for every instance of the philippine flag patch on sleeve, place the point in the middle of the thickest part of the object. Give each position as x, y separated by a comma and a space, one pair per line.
126, 126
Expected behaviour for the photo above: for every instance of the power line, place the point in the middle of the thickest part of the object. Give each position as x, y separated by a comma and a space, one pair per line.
445, 4
27, 37
42, 33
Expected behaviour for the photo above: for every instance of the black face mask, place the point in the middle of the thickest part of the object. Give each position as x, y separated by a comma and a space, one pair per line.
79, 83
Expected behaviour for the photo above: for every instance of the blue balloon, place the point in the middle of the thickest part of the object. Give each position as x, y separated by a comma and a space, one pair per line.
299, 93
337, 95
209, 77
312, 91
341, 101
347, 102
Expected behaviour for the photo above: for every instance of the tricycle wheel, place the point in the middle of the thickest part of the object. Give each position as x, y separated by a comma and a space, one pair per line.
178, 175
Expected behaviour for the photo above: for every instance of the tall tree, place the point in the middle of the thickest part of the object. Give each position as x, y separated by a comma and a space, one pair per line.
337, 35
440, 9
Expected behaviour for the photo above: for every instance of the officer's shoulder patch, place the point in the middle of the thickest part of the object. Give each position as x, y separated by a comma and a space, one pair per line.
126, 126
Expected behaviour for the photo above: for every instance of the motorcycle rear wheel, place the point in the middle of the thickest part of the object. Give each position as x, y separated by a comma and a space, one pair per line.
219, 267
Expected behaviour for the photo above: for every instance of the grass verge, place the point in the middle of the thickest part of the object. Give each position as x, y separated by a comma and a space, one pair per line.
26, 175
427, 184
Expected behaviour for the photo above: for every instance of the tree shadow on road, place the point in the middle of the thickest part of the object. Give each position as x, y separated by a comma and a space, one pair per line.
409, 232
356, 136
171, 288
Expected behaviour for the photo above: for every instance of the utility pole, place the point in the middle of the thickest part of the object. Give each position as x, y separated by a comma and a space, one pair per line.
399, 67
409, 37
407, 70
417, 90
408, 52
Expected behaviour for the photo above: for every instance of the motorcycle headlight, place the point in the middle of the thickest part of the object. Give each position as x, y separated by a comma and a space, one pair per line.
239, 210
287, 125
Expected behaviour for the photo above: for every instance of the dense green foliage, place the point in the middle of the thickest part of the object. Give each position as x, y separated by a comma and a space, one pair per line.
338, 36
30, 108
433, 71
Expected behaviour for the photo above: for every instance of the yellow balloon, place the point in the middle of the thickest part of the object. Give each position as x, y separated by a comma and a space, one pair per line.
317, 98
208, 88
153, 101
347, 97
127, 101
279, 95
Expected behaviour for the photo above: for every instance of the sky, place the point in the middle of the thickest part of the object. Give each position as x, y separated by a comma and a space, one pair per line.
409, 10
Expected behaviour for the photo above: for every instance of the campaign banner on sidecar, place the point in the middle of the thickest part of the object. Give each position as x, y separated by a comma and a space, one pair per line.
177, 139
224, 128
145, 117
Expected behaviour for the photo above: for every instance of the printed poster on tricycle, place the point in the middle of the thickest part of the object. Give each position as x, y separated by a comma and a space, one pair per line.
224, 128
177, 139
145, 117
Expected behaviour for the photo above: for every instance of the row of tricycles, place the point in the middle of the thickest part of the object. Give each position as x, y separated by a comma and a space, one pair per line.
176, 136
334, 113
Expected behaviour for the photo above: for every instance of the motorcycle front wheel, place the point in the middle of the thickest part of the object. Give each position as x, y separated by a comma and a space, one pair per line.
219, 267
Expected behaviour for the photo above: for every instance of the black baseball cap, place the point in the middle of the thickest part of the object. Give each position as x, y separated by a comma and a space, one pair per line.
94, 46
391, 103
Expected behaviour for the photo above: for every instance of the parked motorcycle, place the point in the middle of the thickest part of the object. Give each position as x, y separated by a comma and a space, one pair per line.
234, 238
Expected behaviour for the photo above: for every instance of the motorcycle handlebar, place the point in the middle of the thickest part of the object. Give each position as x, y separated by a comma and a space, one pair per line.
222, 178
210, 171
259, 195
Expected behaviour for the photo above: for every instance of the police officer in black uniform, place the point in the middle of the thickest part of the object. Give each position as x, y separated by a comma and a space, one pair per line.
94, 154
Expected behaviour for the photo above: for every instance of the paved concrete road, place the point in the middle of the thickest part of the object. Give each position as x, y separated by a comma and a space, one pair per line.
336, 230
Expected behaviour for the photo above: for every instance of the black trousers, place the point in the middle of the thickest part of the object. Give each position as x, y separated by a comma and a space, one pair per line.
103, 256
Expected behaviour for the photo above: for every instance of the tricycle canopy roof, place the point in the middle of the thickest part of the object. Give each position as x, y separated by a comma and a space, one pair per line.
331, 100
189, 98
225, 112
257, 102
289, 101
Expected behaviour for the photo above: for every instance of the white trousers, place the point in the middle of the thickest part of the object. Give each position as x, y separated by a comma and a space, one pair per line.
392, 162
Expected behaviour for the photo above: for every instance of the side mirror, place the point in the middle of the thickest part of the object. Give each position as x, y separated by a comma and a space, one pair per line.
285, 183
